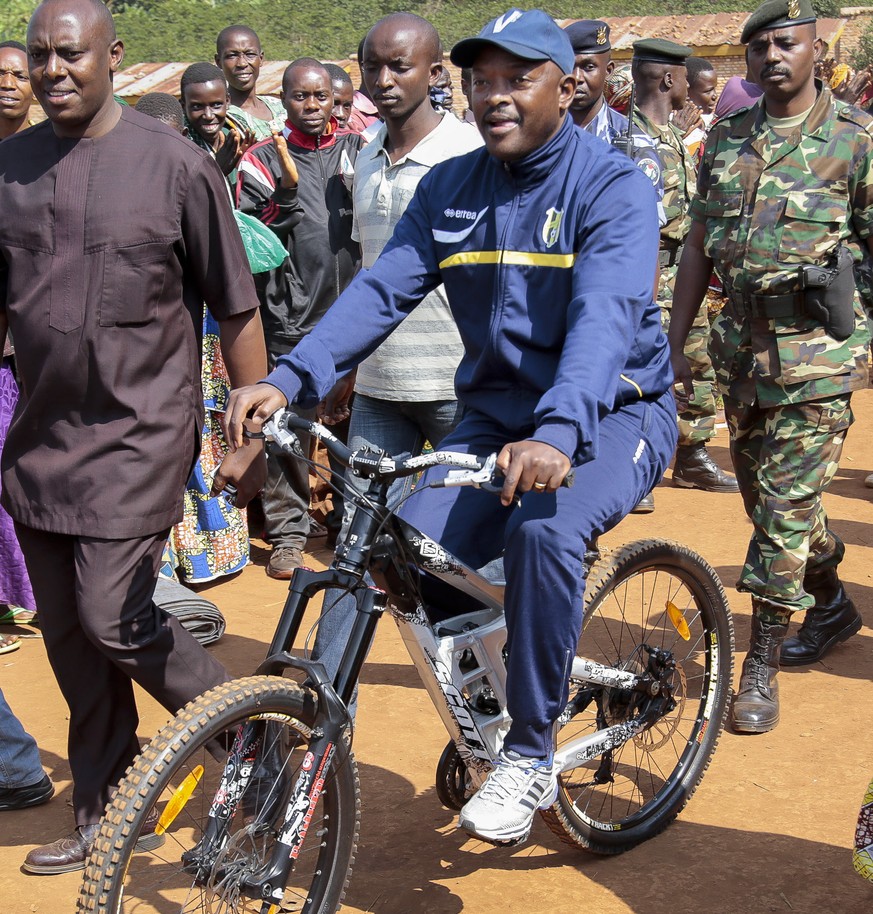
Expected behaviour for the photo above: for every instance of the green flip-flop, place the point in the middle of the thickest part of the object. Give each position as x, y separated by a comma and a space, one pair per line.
16, 615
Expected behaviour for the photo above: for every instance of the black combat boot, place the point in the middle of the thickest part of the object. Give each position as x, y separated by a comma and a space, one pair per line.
832, 619
694, 468
756, 703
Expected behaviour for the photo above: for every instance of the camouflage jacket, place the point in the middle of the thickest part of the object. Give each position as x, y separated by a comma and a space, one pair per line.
770, 204
677, 168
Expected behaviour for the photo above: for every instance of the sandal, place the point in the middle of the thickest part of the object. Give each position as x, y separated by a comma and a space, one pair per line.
9, 643
16, 615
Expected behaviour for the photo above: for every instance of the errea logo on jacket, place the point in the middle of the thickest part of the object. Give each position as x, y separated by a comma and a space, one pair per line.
454, 237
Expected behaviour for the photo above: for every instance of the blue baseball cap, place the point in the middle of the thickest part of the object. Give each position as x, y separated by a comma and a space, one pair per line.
529, 34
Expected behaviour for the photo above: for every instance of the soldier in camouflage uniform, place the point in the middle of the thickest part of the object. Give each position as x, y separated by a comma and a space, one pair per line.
785, 187
661, 87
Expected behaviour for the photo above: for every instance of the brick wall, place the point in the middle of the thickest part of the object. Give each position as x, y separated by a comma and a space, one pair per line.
859, 18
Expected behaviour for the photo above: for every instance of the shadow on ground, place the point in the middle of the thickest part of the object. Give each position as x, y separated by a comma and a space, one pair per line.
410, 856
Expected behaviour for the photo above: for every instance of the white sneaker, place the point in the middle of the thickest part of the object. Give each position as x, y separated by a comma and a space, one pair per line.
502, 810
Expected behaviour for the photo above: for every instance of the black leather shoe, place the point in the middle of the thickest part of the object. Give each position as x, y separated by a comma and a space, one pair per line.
756, 704
823, 628
66, 855
694, 468
23, 797
645, 505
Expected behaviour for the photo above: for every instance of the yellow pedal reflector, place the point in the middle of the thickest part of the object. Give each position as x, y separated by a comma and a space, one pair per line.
678, 621
178, 800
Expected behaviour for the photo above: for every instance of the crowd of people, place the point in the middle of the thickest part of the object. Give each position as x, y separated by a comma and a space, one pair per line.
409, 276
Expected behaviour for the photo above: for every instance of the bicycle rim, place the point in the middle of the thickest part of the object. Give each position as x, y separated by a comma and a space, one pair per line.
177, 778
662, 595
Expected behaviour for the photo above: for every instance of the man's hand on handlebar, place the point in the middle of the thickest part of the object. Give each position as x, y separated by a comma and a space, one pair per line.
257, 403
531, 466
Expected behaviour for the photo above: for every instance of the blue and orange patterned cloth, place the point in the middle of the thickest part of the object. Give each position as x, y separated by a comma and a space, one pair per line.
212, 539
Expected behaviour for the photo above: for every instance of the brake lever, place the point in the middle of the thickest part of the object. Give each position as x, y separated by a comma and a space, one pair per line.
479, 479
276, 429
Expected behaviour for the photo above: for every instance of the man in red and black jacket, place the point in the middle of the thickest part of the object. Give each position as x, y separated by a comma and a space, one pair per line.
295, 183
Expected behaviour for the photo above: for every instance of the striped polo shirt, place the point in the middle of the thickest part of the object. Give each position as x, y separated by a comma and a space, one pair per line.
417, 362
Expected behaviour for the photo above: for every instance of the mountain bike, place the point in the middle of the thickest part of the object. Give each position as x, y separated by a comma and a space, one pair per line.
253, 786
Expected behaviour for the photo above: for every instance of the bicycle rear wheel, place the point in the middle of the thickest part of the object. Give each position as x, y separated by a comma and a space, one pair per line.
663, 595
177, 770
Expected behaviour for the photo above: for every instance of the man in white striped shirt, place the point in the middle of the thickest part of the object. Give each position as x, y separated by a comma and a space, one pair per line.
404, 391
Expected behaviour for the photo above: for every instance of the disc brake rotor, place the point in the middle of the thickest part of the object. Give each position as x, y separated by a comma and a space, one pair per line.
663, 729
241, 857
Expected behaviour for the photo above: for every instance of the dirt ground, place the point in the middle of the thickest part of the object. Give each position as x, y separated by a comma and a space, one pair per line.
769, 830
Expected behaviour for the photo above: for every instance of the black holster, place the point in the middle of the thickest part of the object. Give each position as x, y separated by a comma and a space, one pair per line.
829, 294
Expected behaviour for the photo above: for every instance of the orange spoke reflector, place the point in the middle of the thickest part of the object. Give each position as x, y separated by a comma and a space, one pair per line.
178, 800
678, 621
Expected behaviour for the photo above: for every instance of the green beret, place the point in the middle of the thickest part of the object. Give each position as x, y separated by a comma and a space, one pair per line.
778, 14
659, 50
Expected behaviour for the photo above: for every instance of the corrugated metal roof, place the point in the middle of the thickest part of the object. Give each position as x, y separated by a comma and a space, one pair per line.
135, 81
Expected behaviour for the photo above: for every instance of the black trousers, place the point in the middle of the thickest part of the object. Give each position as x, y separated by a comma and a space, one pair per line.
103, 632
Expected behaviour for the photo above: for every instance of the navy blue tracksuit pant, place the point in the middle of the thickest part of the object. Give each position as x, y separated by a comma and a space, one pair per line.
544, 542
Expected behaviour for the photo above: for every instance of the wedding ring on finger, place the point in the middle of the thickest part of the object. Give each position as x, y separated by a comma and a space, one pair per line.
539, 486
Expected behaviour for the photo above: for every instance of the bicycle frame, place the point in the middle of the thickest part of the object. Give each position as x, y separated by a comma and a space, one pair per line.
457, 660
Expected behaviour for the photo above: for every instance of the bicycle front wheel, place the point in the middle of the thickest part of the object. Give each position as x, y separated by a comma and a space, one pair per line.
662, 595
175, 780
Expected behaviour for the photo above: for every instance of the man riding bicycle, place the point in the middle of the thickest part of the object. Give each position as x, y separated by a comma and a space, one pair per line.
546, 241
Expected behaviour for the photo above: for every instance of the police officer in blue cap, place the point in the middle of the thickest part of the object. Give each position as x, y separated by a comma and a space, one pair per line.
593, 64
546, 241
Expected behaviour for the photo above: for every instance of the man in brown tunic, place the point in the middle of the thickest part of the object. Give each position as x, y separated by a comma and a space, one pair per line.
115, 230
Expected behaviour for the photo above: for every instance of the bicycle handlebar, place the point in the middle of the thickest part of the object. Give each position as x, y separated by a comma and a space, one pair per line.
476, 471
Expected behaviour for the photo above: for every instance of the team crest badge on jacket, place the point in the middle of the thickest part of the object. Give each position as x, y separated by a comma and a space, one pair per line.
552, 225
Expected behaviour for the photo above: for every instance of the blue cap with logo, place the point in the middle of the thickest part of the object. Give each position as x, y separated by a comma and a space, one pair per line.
529, 34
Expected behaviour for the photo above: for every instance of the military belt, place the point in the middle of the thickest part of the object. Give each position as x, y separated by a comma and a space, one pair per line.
669, 256
769, 306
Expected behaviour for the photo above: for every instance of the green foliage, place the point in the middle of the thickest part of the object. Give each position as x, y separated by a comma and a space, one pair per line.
163, 30
826, 9
863, 55
14, 15
184, 29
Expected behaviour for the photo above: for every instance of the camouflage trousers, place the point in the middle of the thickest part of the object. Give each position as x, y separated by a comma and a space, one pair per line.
697, 419
785, 458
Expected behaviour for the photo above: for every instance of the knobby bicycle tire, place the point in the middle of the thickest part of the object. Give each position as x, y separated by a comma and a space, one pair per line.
169, 758
610, 805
